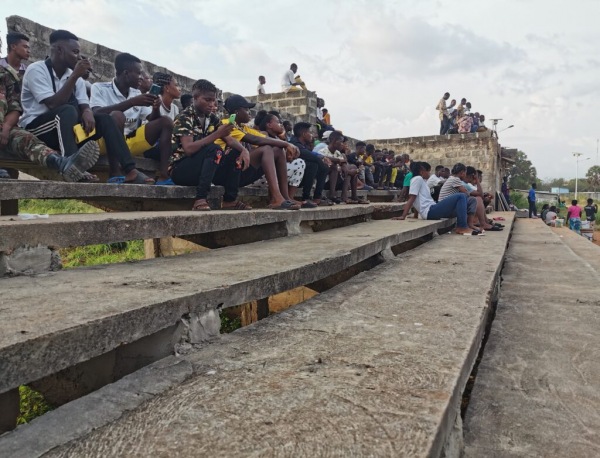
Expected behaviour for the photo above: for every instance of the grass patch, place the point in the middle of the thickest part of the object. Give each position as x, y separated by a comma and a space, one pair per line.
55, 206
111, 253
32, 405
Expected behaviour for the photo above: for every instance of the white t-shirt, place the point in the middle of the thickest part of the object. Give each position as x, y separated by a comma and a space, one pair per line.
107, 94
320, 114
550, 216
261, 89
172, 113
323, 150
287, 80
423, 202
433, 181
37, 86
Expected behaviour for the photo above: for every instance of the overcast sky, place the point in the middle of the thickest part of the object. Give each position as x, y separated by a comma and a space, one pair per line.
381, 66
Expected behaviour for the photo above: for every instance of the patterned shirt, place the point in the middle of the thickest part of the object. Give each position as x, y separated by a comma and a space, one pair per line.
450, 187
188, 123
10, 94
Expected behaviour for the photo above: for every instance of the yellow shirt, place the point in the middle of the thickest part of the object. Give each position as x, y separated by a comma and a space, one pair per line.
238, 134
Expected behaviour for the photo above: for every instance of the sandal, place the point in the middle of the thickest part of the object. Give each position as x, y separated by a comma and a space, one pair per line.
285, 205
309, 204
201, 205
324, 202
351, 201
167, 182
363, 201
116, 180
238, 205
88, 178
140, 178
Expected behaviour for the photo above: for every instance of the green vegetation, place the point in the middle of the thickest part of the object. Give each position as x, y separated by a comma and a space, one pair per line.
55, 206
32, 405
229, 323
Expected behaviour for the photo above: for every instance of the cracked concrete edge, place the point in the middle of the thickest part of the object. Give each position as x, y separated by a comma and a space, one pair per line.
80, 417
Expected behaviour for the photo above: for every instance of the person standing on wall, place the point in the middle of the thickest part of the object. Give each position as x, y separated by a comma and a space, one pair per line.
444, 120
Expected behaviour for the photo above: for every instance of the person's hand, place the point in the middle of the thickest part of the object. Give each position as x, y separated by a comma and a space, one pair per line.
89, 123
399, 218
82, 67
244, 159
4, 136
224, 130
327, 161
156, 104
143, 100
292, 151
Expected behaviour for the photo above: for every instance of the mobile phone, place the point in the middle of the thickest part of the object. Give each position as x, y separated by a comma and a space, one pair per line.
155, 89
232, 119
80, 134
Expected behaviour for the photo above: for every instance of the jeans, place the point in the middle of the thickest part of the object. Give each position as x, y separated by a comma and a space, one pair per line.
444, 125
315, 169
454, 206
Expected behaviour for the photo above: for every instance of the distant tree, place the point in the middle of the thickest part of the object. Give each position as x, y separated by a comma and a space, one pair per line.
593, 177
547, 185
522, 173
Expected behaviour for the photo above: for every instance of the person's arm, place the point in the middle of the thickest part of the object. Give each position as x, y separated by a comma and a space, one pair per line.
244, 158
155, 113
191, 147
98, 101
63, 95
407, 206
10, 121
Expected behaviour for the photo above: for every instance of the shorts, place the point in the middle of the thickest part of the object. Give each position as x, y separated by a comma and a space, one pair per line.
136, 142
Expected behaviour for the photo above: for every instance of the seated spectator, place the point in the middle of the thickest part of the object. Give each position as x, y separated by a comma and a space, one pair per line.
122, 95
475, 123
145, 82
473, 185
290, 82
326, 117
435, 178
24, 145
550, 216
18, 51
591, 210
288, 130
267, 155
488, 199
271, 125
367, 159
349, 173
317, 167
454, 206
186, 100
455, 184
464, 124
169, 91
196, 159
54, 101
261, 85
545, 210
467, 108
383, 169
407, 177
574, 217
394, 169
481, 127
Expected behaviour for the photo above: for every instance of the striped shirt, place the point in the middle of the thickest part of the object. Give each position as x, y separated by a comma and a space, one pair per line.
450, 187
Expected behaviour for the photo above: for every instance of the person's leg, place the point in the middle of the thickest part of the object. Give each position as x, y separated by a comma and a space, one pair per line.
347, 177
472, 212
295, 174
310, 173
377, 175
333, 178
198, 170
264, 157
282, 175
450, 207
480, 212
55, 129
228, 175
369, 176
160, 130
531, 209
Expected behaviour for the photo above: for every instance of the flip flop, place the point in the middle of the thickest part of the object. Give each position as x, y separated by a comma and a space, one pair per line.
167, 182
309, 204
494, 229
140, 178
116, 180
285, 205
239, 205
476, 233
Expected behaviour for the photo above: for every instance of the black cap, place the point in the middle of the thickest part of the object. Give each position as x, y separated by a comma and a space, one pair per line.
235, 101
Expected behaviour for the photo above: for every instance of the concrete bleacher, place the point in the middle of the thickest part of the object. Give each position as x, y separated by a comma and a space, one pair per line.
100, 341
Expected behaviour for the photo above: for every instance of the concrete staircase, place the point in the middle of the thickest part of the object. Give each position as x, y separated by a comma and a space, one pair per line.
375, 363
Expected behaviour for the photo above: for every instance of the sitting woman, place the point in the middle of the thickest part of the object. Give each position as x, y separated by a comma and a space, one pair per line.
267, 155
270, 124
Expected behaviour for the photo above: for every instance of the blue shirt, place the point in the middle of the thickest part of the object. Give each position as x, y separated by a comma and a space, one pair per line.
532, 195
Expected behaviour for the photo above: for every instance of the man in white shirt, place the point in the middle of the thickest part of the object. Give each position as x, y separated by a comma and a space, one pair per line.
122, 95
261, 85
455, 206
55, 100
435, 179
290, 82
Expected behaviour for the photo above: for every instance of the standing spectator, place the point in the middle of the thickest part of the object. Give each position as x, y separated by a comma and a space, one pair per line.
591, 209
261, 85
290, 82
460, 110
444, 120
574, 217
505, 189
531, 199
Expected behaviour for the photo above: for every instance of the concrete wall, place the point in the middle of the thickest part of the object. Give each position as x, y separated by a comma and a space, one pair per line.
479, 150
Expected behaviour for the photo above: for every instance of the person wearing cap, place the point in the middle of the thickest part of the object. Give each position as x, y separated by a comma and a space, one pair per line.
169, 91
197, 160
267, 155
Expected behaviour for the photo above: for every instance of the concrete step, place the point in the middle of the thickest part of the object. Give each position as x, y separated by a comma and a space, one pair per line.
52, 322
375, 366
537, 391
582, 247
86, 229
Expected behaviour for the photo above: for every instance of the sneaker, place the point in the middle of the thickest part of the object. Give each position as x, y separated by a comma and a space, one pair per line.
4, 174
73, 167
367, 187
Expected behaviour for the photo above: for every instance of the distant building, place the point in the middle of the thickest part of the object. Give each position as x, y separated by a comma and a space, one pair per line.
559, 190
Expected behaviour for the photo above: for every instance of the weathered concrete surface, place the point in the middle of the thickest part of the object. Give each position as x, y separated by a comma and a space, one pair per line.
374, 367
537, 392
25, 260
52, 322
586, 250
91, 228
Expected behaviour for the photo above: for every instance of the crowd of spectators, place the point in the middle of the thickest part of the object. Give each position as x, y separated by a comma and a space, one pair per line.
459, 119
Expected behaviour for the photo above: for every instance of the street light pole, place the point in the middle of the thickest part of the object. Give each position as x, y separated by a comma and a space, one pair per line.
577, 156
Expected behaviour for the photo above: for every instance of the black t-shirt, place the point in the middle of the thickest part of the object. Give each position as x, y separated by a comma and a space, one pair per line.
590, 212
